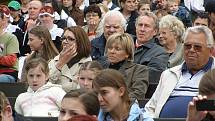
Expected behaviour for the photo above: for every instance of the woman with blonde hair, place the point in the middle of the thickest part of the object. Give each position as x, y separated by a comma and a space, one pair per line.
171, 30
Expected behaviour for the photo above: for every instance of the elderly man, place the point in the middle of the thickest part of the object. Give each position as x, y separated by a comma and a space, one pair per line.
178, 85
147, 51
114, 22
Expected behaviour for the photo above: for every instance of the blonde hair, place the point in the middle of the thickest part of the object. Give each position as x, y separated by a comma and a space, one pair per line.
174, 24
3, 102
125, 40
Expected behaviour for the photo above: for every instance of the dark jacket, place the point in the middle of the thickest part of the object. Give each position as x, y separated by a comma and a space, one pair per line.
98, 47
153, 56
18, 117
136, 77
131, 29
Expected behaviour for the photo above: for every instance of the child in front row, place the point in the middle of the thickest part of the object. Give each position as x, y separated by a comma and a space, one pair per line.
42, 97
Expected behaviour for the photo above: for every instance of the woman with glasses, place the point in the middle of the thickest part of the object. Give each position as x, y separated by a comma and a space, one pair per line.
75, 51
119, 53
93, 16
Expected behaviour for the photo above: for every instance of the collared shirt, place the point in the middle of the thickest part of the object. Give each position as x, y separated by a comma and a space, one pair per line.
188, 82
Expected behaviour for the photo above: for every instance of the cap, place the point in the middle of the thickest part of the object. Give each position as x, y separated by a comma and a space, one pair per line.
47, 10
5, 10
15, 5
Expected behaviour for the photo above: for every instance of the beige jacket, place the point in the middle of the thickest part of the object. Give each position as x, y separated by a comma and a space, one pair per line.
67, 77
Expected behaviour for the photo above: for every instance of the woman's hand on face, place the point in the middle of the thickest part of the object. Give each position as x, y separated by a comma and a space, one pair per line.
66, 55
192, 113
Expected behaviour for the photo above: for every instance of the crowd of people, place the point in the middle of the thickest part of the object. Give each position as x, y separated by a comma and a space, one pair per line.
95, 59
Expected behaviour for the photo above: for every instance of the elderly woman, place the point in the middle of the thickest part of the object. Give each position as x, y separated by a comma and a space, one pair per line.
76, 51
119, 56
171, 30
93, 15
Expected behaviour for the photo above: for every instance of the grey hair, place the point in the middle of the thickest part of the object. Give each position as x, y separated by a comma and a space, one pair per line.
151, 15
118, 14
201, 29
174, 24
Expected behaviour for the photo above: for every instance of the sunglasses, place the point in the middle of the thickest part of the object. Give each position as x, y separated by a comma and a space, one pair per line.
194, 46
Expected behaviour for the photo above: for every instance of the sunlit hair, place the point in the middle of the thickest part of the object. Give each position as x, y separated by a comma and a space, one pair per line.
35, 62
49, 51
207, 83
94, 66
174, 24
88, 98
150, 15
118, 14
123, 39
82, 40
201, 29
112, 78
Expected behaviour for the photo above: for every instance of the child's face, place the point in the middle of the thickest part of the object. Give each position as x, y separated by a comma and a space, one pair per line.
173, 6
144, 8
36, 78
86, 78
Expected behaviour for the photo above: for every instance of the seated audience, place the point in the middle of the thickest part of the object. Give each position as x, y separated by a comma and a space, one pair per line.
179, 84
143, 6
6, 111
76, 51
206, 91
171, 31
113, 22
46, 18
119, 53
115, 104
147, 51
202, 18
42, 97
41, 46
179, 11
87, 72
93, 16
78, 102
9, 50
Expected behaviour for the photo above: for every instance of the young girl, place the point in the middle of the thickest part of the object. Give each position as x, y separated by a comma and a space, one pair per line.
42, 97
114, 101
87, 73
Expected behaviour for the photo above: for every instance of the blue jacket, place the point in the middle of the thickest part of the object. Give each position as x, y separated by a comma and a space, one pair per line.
135, 114
98, 47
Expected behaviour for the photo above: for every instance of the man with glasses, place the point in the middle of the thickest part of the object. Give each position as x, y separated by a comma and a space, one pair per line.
179, 84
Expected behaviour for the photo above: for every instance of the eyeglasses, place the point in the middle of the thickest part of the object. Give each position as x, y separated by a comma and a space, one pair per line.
68, 39
91, 14
194, 46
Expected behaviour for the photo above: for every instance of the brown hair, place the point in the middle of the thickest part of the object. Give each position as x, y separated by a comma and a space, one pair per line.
94, 66
88, 99
33, 63
82, 41
207, 83
49, 51
112, 78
